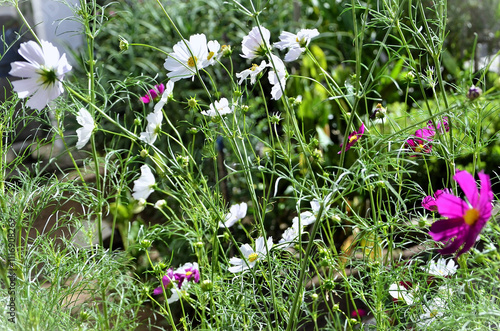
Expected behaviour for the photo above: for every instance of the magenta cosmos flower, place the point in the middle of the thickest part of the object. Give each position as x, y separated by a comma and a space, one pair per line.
420, 141
166, 280
464, 219
153, 94
353, 137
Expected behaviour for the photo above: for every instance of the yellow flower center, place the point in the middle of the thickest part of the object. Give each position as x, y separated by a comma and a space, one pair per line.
471, 216
254, 67
192, 61
419, 148
297, 40
433, 313
252, 257
189, 273
210, 55
353, 138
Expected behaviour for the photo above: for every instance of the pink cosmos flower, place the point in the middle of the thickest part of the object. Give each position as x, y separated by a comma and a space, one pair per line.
464, 219
420, 142
166, 280
188, 272
353, 137
360, 312
153, 94
429, 202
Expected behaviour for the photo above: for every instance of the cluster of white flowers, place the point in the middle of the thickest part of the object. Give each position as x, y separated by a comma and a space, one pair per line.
300, 222
435, 307
257, 43
251, 256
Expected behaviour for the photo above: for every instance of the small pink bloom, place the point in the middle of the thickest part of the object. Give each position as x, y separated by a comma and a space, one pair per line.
464, 219
353, 138
360, 312
188, 272
166, 280
429, 202
153, 94
420, 142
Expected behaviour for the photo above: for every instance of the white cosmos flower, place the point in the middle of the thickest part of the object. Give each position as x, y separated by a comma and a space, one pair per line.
441, 268
315, 204
277, 77
399, 292
432, 310
213, 53
85, 132
253, 72
217, 108
42, 73
253, 45
250, 256
143, 186
296, 43
306, 218
290, 234
181, 63
153, 128
167, 94
236, 213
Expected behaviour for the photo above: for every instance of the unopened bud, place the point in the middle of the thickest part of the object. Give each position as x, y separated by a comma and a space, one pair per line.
123, 44
474, 93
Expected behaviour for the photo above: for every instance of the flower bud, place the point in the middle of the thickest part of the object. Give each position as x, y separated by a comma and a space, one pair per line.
207, 285
123, 44
226, 50
146, 243
160, 204
192, 102
474, 93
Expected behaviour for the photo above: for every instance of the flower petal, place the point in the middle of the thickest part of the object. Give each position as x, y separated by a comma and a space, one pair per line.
468, 185
446, 229
451, 206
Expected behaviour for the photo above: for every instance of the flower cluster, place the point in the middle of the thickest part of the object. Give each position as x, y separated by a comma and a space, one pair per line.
176, 281
464, 219
257, 43
153, 94
155, 118
300, 222
421, 140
